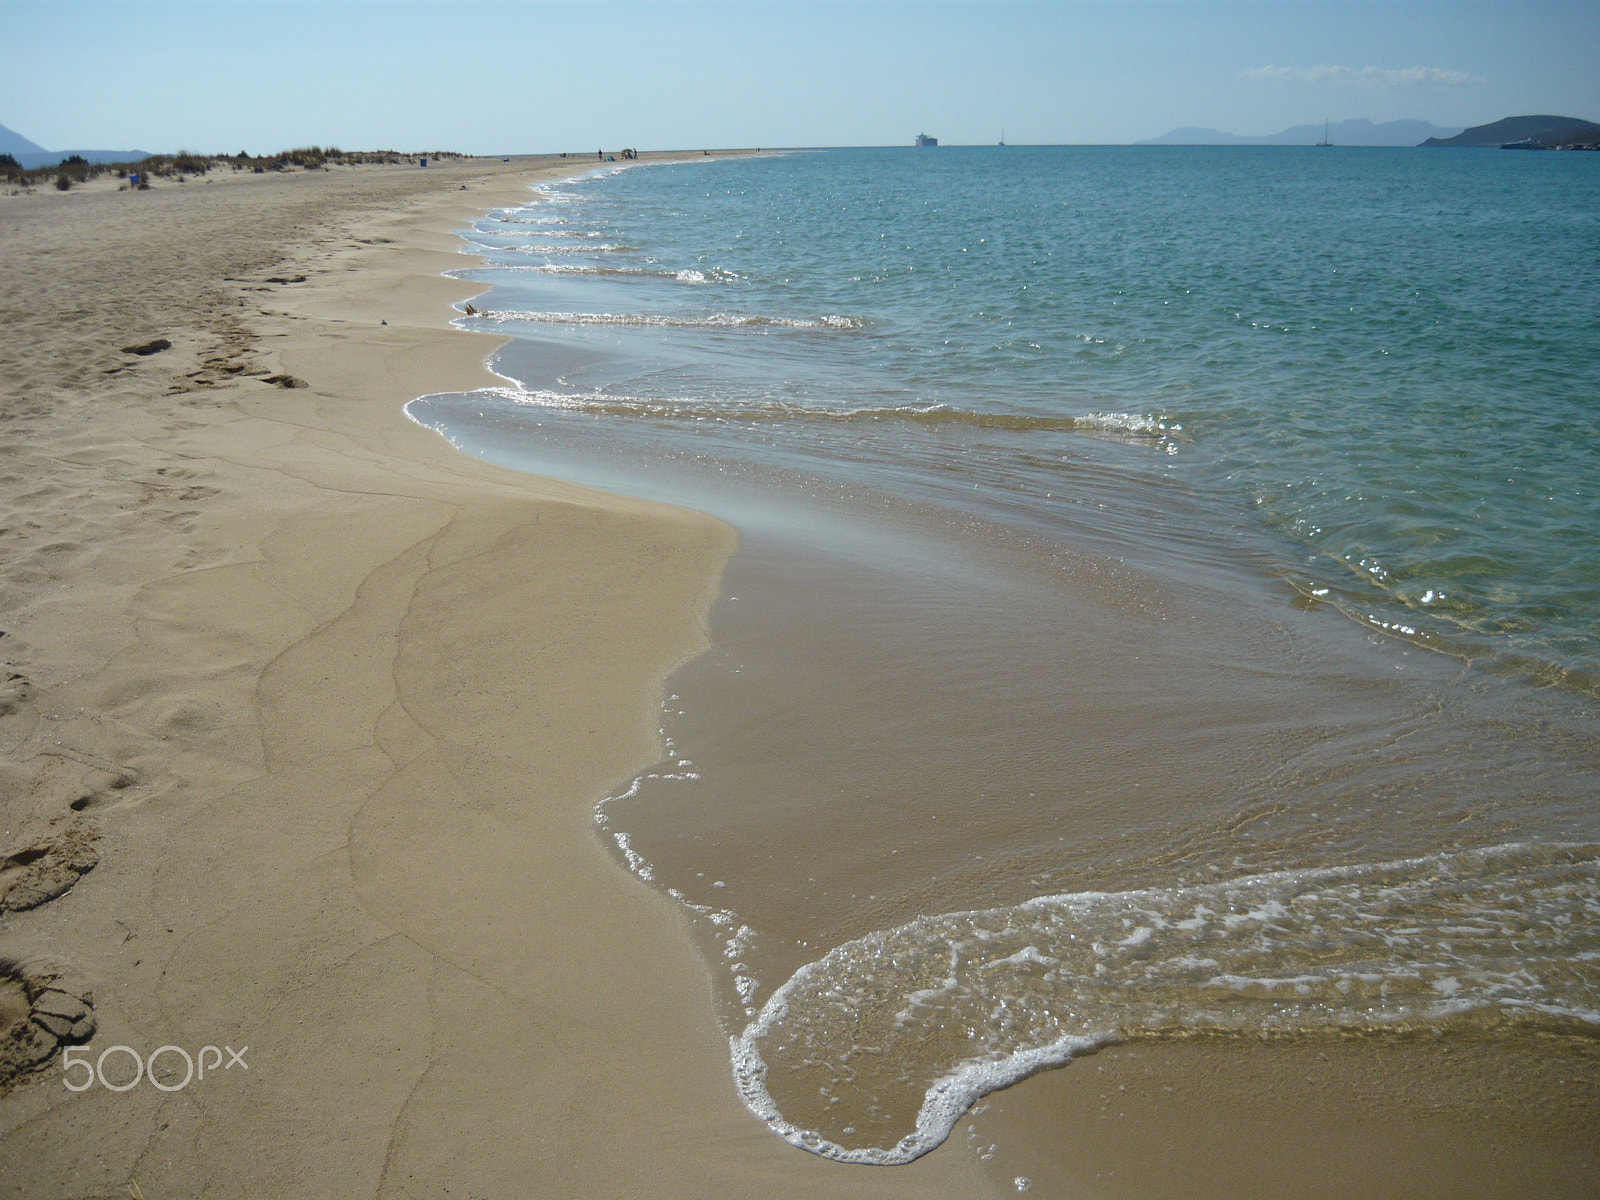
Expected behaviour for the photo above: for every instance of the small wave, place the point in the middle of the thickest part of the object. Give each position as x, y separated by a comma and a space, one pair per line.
575, 234
1130, 424
1121, 422
684, 409
944, 1009
553, 193
714, 321
586, 269
712, 276
558, 248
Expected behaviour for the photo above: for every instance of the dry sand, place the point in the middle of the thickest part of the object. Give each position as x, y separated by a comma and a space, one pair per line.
302, 716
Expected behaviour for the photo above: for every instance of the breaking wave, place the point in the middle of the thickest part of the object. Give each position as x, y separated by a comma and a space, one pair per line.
714, 321
1131, 425
713, 275
930, 1016
553, 248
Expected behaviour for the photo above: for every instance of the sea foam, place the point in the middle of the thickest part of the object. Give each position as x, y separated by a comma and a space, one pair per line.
941, 1010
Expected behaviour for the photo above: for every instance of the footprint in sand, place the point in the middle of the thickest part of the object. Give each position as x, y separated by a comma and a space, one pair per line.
13, 691
47, 864
43, 1006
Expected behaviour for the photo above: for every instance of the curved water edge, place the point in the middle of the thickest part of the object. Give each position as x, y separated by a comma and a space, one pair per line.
1415, 438
659, 321
1325, 411
1133, 425
1409, 605
1507, 936
682, 275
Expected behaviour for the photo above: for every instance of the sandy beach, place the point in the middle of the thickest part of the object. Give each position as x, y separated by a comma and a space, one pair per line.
303, 716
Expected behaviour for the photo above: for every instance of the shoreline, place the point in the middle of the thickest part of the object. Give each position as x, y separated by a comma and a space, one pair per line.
337, 699
1486, 1092
330, 701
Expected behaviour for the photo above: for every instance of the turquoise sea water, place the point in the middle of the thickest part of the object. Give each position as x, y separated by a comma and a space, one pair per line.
1362, 385
1387, 359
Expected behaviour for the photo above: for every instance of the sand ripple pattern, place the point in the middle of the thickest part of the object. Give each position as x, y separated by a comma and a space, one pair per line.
909, 1026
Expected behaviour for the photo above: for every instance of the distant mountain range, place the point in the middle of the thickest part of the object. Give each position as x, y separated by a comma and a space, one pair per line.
15, 144
31, 154
1549, 132
1358, 132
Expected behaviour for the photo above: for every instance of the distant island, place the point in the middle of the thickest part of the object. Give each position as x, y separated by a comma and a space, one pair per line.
30, 155
1528, 133
1357, 132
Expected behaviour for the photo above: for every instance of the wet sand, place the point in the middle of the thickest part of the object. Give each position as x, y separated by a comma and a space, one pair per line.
1379, 1117
881, 687
322, 707
969, 764
304, 718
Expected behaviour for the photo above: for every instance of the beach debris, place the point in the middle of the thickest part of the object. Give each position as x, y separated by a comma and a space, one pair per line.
145, 349
472, 310
43, 1006
286, 278
284, 381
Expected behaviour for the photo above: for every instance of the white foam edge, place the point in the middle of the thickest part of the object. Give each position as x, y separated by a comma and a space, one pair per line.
719, 320
944, 1103
949, 1097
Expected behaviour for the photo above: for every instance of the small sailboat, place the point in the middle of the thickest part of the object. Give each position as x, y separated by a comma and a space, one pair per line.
1324, 141
1002, 135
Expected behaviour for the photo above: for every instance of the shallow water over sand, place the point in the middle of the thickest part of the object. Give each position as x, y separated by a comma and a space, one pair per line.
865, 746
1032, 722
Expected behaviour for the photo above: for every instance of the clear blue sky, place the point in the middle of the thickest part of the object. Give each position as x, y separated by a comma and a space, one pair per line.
501, 76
